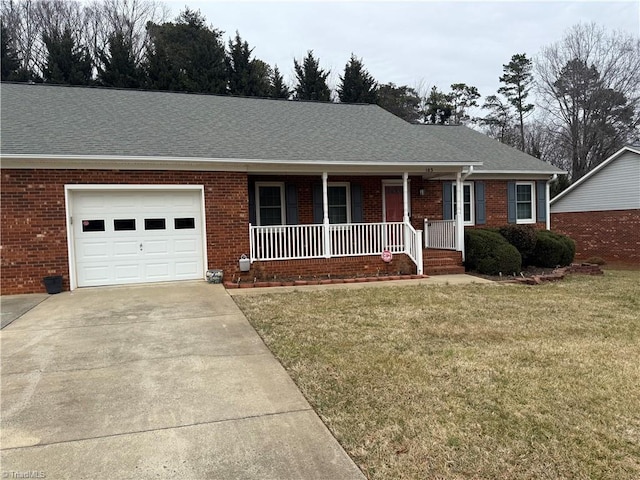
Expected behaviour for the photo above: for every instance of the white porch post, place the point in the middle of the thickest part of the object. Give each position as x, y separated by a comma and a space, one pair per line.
325, 216
405, 197
459, 217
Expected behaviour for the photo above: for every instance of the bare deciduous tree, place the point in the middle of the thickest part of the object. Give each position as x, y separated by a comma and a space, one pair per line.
589, 83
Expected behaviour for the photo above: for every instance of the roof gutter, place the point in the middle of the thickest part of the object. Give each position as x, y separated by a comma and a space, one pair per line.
469, 172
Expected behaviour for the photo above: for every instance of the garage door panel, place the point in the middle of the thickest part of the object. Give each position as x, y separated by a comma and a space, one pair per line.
138, 236
126, 248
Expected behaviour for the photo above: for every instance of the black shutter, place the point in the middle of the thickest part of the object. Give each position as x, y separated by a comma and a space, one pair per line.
356, 204
291, 200
447, 201
511, 202
481, 215
252, 204
541, 199
318, 214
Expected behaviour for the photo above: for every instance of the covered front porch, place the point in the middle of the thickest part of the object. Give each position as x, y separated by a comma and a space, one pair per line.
351, 233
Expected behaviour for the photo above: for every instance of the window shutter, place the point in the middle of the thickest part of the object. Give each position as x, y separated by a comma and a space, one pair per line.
481, 216
447, 201
317, 203
541, 201
291, 200
511, 202
252, 204
356, 204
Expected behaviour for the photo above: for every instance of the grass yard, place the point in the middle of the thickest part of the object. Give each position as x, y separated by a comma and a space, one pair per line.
476, 381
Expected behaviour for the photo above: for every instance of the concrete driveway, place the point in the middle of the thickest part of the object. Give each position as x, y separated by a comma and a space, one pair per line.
155, 381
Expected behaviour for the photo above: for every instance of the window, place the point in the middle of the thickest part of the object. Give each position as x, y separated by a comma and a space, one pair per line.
338, 197
155, 224
184, 223
93, 225
525, 204
270, 203
467, 202
125, 224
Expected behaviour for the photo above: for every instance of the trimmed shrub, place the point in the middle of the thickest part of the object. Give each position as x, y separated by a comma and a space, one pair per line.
552, 249
523, 237
489, 253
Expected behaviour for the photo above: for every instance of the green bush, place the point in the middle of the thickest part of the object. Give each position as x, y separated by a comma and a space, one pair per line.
552, 249
523, 237
489, 253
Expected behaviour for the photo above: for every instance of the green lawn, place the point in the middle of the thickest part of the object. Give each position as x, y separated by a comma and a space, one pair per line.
476, 381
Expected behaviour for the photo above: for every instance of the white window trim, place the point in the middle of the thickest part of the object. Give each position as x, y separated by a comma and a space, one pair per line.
283, 206
394, 183
347, 185
472, 199
531, 220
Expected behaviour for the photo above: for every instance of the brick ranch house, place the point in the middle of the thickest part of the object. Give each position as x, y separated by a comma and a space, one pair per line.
107, 186
601, 211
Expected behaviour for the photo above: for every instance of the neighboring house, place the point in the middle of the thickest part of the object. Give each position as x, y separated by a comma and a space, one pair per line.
107, 186
601, 211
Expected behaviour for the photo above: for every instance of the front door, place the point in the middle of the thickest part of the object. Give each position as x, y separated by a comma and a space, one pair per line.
393, 203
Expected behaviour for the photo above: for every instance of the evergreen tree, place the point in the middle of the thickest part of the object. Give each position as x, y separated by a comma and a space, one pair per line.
186, 56
357, 85
462, 97
312, 80
117, 67
403, 101
247, 77
439, 108
66, 62
517, 81
278, 88
499, 121
10, 62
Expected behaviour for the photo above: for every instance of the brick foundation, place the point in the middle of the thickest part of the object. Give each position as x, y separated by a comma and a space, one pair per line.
613, 236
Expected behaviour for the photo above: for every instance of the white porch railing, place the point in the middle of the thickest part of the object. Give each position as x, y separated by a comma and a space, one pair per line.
440, 234
292, 242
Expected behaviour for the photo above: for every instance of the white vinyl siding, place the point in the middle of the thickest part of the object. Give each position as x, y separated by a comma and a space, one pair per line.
615, 187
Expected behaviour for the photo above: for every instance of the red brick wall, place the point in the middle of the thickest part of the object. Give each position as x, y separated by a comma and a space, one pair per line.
371, 265
33, 236
613, 235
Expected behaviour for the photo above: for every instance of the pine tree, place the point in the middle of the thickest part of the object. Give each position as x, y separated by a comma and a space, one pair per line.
517, 81
439, 108
186, 55
462, 97
403, 101
247, 77
312, 80
117, 67
66, 62
10, 61
357, 85
278, 88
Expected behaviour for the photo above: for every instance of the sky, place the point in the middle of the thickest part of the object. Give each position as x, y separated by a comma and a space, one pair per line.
417, 43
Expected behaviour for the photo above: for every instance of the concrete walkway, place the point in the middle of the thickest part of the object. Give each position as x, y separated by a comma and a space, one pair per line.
156, 381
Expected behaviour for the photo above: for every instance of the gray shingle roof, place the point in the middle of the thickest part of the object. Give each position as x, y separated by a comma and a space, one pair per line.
495, 156
45, 120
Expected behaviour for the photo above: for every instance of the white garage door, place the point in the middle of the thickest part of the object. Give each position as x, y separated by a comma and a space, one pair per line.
123, 237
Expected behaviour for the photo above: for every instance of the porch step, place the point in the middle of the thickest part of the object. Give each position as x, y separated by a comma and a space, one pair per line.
442, 262
443, 269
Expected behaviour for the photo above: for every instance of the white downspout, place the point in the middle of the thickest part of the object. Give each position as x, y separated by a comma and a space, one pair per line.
405, 197
548, 200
